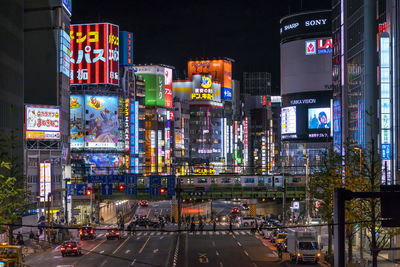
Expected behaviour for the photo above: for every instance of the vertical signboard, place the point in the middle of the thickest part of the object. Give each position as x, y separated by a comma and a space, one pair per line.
246, 140
154, 77
385, 108
168, 87
160, 93
134, 136
126, 48
65, 53
94, 54
127, 125
77, 128
155, 185
45, 181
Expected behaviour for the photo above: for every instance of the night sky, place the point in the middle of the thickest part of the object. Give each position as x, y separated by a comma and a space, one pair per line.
171, 32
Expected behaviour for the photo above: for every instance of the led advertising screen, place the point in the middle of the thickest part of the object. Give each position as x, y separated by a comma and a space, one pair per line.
77, 128
288, 120
126, 48
42, 123
168, 87
154, 77
220, 70
319, 118
307, 116
104, 163
101, 121
94, 54
65, 53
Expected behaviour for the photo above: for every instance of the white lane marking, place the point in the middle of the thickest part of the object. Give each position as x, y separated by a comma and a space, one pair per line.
152, 233
239, 244
127, 251
204, 233
276, 254
158, 233
171, 233
161, 237
56, 257
223, 232
216, 253
245, 252
217, 233
243, 233
104, 262
220, 264
255, 265
234, 236
140, 233
101, 252
100, 235
155, 251
133, 262
137, 238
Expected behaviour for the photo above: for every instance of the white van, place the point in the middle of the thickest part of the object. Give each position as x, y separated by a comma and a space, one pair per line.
247, 221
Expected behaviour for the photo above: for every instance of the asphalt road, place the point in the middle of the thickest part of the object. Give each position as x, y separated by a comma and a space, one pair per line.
155, 248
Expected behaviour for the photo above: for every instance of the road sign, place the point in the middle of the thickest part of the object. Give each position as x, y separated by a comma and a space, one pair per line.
171, 185
155, 185
106, 189
131, 184
103, 179
81, 189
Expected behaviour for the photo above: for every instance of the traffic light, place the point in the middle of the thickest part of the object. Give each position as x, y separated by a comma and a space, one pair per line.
89, 192
121, 187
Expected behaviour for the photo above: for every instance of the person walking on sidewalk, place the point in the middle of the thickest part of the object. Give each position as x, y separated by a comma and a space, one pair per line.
214, 225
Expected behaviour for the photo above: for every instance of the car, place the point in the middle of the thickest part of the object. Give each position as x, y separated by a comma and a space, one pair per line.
142, 221
248, 221
235, 211
143, 203
113, 233
280, 239
267, 231
245, 206
86, 232
70, 247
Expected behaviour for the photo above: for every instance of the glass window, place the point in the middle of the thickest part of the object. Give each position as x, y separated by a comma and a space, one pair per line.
226, 180
202, 180
249, 180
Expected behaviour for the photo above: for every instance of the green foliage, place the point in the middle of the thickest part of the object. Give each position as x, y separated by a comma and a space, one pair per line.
13, 194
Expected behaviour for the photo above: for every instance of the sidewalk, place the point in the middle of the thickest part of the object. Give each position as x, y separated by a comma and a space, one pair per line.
383, 258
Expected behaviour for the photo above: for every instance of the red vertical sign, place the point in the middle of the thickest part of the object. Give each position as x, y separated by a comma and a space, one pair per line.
94, 54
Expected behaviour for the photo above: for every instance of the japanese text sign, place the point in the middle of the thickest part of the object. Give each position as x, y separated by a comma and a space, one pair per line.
126, 48
42, 123
94, 54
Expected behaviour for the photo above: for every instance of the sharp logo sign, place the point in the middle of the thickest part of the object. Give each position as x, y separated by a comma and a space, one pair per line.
321, 46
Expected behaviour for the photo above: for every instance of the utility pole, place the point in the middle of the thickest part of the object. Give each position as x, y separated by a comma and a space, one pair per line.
283, 195
178, 197
307, 194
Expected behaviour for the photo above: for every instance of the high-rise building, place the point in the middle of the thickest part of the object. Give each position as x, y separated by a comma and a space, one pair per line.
306, 78
256, 83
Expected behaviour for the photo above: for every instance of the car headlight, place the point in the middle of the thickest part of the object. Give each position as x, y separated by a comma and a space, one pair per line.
298, 255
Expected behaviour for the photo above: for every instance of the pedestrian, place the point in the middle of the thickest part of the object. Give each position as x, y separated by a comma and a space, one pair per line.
20, 239
230, 226
101, 220
31, 235
129, 229
214, 225
192, 227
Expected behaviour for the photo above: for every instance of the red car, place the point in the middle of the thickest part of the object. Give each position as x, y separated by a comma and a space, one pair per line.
70, 247
143, 203
235, 211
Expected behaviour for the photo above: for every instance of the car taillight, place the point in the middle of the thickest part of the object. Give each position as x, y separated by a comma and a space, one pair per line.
107, 233
117, 233
75, 248
91, 231
81, 232
69, 246
62, 248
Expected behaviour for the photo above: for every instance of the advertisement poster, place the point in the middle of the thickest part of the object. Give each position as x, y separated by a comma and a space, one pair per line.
319, 118
42, 123
94, 54
101, 121
221, 70
45, 181
289, 120
77, 128
102, 163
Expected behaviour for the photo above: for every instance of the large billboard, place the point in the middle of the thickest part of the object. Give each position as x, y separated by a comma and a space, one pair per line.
220, 70
104, 163
94, 54
307, 116
101, 118
42, 123
77, 126
154, 77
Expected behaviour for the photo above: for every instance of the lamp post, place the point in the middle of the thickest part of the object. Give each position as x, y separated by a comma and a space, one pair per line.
307, 193
361, 229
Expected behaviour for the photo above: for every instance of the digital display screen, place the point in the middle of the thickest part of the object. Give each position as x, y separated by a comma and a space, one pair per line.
77, 128
319, 118
42, 123
289, 120
101, 121
104, 163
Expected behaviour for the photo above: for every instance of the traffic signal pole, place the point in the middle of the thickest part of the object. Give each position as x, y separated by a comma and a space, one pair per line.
178, 197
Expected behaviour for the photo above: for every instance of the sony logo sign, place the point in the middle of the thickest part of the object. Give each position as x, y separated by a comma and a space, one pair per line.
315, 22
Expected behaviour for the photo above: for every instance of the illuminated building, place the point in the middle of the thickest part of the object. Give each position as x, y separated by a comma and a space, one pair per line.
257, 83
46, 94
306, 77
205, 107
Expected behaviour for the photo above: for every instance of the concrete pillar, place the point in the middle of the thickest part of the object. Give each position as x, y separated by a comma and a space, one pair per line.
174, 210
252, 207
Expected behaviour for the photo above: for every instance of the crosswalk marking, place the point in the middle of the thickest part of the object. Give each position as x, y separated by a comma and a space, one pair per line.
171, 233
140, 233
158, 233
152, 233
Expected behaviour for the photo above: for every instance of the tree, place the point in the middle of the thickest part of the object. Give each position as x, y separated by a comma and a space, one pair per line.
13, 194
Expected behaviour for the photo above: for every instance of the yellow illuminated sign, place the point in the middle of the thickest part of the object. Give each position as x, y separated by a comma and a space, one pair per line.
203, 171
206, 82
203, 96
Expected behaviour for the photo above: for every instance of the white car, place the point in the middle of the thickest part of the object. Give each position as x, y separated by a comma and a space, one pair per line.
267, 232
247, 221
